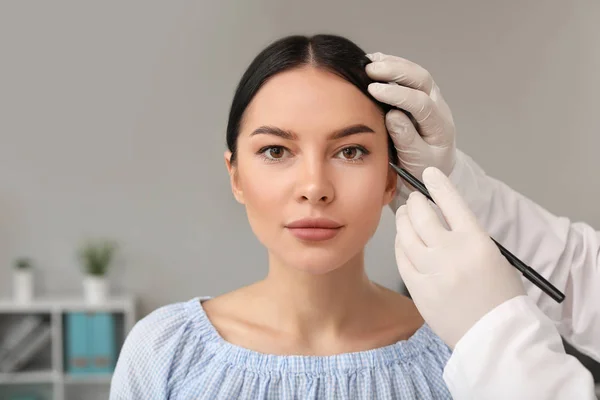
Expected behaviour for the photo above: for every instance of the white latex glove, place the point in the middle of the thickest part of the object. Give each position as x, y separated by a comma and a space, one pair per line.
455, 275
410, 87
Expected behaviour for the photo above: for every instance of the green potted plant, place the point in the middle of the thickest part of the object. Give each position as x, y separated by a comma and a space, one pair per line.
23, 280
96, 257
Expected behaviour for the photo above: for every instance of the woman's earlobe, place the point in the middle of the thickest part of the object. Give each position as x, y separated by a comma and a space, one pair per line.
227, 156
234, 178
391, 185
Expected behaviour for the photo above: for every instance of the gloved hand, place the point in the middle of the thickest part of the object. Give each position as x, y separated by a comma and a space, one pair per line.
455, 275
410, 87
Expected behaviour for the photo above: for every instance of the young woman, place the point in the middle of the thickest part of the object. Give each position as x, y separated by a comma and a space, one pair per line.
307, 156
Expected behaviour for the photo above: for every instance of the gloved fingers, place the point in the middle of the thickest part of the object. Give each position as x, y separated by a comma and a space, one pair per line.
405, 267
407, 239
401, 129
453, 207
386, 68
430, 121
407, 141
425, 221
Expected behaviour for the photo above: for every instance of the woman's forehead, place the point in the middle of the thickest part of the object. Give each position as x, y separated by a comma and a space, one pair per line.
311, 96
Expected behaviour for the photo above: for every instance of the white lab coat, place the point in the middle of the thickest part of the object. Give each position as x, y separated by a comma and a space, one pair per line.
515, 351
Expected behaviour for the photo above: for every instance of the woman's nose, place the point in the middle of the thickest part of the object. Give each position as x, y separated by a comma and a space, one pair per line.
314, 184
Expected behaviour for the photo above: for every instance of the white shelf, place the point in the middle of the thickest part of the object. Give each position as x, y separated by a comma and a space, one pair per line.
56, 308
21, 378
48, 305
85, 379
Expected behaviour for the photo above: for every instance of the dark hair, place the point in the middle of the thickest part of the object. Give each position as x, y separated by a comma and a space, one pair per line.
333, 53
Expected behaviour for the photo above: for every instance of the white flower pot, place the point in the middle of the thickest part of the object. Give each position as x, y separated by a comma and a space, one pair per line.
95, 289
23, 285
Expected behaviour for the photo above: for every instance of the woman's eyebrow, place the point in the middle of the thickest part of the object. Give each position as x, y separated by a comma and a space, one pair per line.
289, 135
272, 130
351, 130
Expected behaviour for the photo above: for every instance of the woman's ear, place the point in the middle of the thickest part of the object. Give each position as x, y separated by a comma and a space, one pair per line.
234, 178
390, 186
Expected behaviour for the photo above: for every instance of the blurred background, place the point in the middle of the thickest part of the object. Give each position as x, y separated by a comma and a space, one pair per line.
113, 118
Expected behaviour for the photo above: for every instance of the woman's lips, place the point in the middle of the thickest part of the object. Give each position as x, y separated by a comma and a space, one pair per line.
314, 229
314, 234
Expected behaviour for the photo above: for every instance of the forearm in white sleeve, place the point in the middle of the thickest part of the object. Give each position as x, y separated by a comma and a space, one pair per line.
515, 352
565, 253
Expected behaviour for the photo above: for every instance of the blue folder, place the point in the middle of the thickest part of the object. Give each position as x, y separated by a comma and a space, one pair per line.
102, 343
90, 343
77, 360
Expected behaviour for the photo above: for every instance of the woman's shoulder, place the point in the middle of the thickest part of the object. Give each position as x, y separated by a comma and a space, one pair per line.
416, 334
164, 321
158, 350
165, 327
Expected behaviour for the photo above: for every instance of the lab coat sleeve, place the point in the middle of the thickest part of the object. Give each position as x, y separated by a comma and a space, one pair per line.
565, 253
515, 352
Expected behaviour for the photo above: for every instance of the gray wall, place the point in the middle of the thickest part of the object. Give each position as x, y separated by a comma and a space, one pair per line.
113, 117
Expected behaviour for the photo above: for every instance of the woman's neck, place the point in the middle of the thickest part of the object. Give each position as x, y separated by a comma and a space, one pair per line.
314, 306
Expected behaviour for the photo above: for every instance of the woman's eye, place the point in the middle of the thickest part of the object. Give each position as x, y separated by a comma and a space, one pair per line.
278, 153
352, 153
273, 152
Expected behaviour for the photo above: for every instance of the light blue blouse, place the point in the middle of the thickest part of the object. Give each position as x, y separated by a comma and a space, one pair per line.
176, 353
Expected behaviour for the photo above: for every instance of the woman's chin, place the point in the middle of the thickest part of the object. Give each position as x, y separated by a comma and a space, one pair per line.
316, 263
316, 269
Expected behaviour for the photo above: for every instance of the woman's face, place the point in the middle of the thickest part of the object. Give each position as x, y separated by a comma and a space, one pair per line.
312, 169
